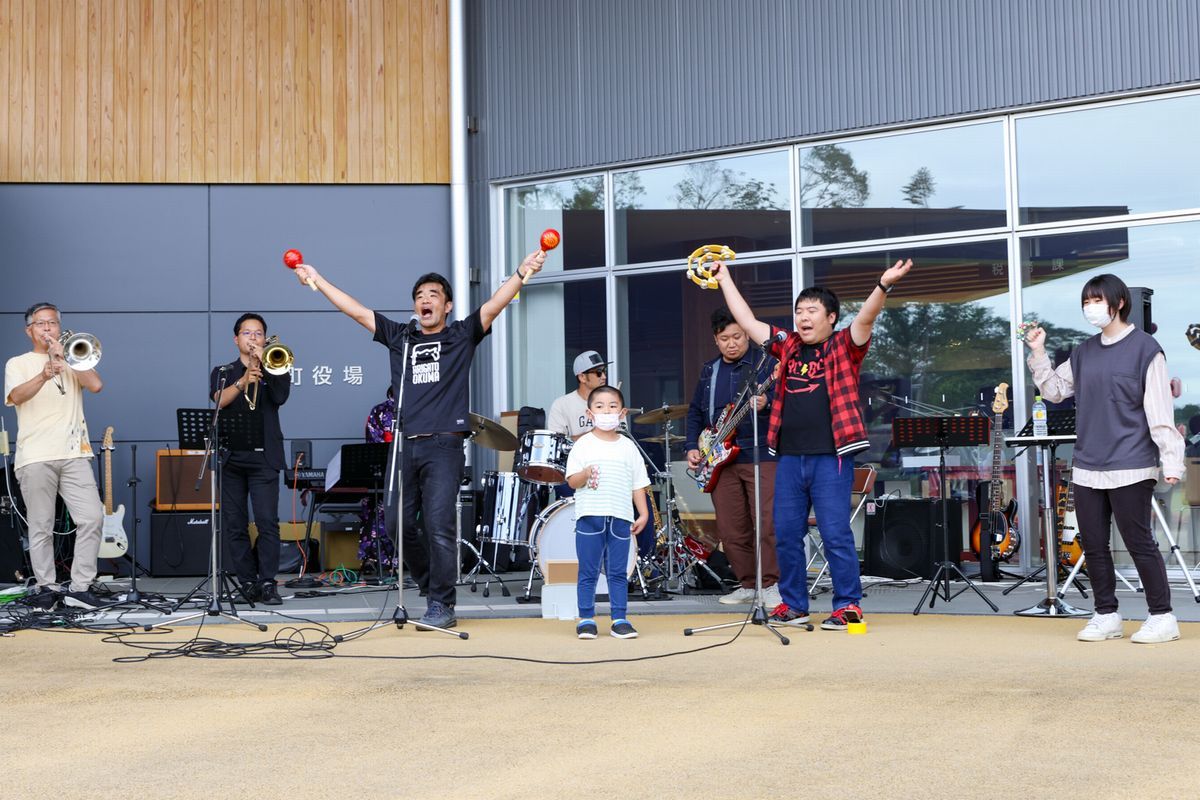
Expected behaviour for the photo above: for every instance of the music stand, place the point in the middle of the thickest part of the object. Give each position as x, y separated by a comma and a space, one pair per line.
1060, 429
236, 429
944, 433
365, 464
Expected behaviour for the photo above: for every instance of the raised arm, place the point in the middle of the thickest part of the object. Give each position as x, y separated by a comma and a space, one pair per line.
344, 302
508, 290
860, 328
756, 329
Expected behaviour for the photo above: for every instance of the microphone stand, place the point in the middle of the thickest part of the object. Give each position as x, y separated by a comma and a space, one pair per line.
219, 583
758, 613
394, 498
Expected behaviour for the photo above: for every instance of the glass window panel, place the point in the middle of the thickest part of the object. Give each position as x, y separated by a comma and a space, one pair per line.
573, 207
1158, 257
1117, 160
664, 213
940, 346
906, 185
551, 324
665, 333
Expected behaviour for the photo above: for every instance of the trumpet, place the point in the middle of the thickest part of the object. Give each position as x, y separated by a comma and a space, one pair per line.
276, 359
81, 352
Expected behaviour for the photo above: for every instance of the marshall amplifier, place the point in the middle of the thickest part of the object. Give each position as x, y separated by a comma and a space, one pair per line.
179, 543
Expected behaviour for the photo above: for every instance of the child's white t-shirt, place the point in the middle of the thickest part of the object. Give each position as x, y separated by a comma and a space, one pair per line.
621, 472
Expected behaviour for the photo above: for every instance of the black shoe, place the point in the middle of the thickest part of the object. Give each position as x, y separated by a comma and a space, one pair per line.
270, 594
248, 592
85, 600
43, 599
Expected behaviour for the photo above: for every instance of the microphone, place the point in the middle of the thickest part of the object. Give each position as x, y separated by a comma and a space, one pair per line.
414, 322
780, 337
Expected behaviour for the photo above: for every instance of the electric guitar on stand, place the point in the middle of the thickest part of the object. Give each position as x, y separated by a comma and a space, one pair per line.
718, 442
996, 527
1070, 548
113, 543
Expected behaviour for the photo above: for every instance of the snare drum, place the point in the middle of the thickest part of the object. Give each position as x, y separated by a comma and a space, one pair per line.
542, 457
504, 502
553, 539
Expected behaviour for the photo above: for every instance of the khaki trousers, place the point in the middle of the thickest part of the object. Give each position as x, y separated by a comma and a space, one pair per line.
72, 478
733, 502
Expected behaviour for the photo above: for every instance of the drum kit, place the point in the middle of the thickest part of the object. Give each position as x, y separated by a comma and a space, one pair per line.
510, 516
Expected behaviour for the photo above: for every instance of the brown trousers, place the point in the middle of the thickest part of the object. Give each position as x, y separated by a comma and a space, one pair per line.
733, 501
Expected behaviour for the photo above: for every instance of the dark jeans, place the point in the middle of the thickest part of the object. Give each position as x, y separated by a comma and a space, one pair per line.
433, 467
246, 476
1130, 505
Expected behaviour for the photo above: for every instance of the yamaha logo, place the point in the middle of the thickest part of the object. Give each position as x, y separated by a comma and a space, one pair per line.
197, 521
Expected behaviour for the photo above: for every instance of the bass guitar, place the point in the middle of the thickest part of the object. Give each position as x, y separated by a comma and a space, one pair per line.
995, 524
1070, 547
113, 543
718, 442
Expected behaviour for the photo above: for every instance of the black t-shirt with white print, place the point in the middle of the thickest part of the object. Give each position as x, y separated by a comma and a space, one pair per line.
807, 426
437, 388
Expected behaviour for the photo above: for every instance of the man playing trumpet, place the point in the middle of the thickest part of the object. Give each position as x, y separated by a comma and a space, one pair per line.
251, 477
52, 457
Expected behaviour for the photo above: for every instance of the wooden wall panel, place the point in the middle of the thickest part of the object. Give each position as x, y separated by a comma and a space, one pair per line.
224, 91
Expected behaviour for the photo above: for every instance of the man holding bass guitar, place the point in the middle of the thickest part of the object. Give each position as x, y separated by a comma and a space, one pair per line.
726, 471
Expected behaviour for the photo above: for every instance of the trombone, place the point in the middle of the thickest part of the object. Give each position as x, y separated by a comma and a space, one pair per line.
276, 359
81, 352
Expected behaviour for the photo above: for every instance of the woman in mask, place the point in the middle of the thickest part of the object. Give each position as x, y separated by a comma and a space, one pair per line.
1124, 423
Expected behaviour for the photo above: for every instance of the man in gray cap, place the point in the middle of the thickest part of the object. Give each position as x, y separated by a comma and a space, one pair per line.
568, 414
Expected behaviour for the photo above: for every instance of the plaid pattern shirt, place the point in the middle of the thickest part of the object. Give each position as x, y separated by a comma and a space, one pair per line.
843, 360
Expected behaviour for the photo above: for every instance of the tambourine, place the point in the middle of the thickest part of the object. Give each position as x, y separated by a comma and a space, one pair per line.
697, 264
1193, 335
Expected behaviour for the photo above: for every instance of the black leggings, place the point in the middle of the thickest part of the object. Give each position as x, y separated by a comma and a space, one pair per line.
1130, 505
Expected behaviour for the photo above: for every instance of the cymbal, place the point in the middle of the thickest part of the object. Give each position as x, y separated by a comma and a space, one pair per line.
661, 415
676, 439
491, 434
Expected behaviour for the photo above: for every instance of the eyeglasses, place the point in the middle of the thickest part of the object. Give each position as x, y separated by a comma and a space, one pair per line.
44, 323
252, 334
598, 372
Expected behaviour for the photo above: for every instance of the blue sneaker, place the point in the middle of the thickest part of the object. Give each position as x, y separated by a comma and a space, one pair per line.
437, 615
621, 629
586, 629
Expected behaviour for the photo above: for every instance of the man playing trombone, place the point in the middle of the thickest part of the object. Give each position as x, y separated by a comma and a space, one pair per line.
252, 476
53, 454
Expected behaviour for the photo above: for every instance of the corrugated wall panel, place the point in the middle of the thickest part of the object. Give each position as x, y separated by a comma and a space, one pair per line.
575, 84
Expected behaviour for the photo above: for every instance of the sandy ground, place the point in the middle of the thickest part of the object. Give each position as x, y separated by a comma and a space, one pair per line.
919, 707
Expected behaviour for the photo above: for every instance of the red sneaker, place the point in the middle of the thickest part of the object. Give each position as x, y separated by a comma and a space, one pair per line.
838, 620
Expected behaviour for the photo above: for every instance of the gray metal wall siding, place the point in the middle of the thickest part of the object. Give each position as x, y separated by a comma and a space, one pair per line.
575, 84
159, 273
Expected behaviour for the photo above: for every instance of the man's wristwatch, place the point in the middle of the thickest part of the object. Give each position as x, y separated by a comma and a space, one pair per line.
886, 289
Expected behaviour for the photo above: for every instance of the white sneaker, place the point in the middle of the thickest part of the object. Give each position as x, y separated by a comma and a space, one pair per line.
1101, 627
1157, 628
771, 596
737, 596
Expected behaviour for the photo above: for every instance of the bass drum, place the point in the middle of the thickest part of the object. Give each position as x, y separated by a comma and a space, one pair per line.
553, 539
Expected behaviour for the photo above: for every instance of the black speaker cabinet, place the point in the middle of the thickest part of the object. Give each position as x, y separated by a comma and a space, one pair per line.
902, 538
12, 552
179, 543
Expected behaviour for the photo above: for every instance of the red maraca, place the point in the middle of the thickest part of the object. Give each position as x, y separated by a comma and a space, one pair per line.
294, 258
548, 242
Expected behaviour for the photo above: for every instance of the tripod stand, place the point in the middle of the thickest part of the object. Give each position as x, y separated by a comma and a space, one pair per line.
758, 612
944, 433
240, 431
133, 596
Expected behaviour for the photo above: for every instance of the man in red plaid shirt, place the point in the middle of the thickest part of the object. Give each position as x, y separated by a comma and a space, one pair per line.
816, 427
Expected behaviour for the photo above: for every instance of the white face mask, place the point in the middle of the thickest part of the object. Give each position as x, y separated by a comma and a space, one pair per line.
607, 422
1097, 314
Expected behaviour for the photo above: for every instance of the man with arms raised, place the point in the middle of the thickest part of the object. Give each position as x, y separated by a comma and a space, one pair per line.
816, 428
434, 414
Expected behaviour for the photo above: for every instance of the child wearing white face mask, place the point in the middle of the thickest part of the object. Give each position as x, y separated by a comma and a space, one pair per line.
606, 471
1125, 426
